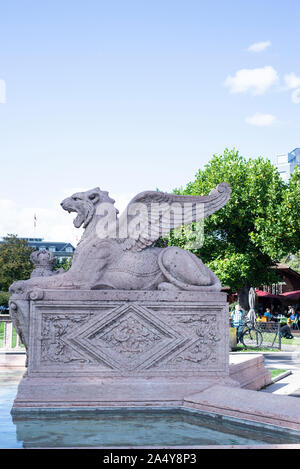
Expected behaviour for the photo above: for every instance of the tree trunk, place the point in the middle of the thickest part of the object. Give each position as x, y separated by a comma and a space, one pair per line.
243, 297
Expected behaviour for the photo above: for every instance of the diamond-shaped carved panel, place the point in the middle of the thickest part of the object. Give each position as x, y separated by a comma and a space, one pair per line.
129, 338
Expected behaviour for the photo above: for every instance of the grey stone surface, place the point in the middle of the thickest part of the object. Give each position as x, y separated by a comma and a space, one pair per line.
281, 411
107, 347
249, 371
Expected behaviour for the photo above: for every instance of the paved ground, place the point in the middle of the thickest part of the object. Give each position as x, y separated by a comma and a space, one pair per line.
290, 385
10, 377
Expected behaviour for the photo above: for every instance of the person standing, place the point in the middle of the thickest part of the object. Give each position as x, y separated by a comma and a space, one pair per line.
237, 317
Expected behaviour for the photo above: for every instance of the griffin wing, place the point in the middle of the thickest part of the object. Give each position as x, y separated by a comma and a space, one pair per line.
152, 214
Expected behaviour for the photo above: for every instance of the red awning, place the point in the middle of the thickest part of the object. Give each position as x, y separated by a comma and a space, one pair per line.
265, 294
294, 295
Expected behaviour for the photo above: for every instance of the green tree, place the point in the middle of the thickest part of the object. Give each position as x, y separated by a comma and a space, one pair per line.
65, 263
257, 227
15, 261
4, 298
293, 261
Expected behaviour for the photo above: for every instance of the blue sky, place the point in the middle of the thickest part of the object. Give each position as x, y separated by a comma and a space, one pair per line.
135, 95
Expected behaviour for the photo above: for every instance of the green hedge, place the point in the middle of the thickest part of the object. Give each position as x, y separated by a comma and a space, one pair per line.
4, 297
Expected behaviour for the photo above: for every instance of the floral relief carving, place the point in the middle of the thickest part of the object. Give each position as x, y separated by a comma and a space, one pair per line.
204, 334
129, 337
198, 352
54, 341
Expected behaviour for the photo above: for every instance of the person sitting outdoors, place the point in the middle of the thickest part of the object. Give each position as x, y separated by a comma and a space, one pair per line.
285, 331
237, 317
293, 319
268, 314
275, 316
259, 316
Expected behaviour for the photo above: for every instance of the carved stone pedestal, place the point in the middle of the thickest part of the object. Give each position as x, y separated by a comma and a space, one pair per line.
123, 348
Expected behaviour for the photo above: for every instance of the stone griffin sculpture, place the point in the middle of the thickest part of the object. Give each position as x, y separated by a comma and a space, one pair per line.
116, 253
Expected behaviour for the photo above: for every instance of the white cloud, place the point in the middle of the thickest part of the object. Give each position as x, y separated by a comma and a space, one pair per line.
256, 80
259, 46
261, 120
2, 92
296, 96
293, 83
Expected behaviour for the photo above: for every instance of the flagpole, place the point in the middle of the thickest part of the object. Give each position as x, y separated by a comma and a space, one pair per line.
34, 225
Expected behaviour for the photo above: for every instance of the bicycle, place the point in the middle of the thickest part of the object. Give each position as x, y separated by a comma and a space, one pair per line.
251, 336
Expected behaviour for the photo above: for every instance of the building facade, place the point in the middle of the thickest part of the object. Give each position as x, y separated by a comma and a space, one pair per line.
290, 281
287, 163
60, 250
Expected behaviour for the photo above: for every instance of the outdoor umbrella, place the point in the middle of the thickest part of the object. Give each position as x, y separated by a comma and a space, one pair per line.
251, 315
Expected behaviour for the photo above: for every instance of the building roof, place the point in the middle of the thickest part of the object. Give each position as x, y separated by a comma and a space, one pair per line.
59, 246
285, 269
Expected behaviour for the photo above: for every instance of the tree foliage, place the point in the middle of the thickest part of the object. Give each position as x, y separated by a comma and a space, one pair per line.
4, 298
257, 227
15, 261
293, 261
64, 264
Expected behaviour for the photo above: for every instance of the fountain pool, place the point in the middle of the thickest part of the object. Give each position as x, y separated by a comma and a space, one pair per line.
127, 427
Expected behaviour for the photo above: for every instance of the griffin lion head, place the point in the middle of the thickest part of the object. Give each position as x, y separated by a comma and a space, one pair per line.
84, 204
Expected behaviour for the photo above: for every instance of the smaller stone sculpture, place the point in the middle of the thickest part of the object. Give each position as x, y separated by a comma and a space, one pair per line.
43, 261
